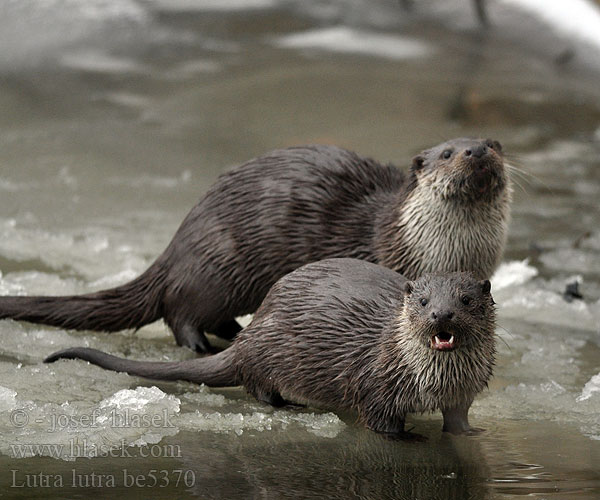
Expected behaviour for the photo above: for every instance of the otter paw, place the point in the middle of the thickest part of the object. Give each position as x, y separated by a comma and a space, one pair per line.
474, 431
470, 431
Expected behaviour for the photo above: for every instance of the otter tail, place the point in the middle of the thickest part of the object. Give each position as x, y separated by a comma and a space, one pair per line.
131, 305
215, 371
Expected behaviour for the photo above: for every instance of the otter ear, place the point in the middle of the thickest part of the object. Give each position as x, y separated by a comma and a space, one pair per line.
418, 162
408, 288
486, 286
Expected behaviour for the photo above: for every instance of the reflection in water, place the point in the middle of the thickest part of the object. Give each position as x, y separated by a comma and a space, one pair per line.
353, 465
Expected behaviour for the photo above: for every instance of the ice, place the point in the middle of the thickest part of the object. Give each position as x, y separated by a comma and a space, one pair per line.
542, 339
71, 422
35, 282
72, 409
343, 39
8, 399
237, 416
140, 416
114, 279
590, 388
138, 399
205, 397
519, 295
38, 29
576, 18
541, 374
324, 425
101, 62
89, 252
73, 429
542, 401
208, 5
513, 274
538, 377
10, 288
547, 306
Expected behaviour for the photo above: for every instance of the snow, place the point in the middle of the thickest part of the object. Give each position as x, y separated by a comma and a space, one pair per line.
349, 40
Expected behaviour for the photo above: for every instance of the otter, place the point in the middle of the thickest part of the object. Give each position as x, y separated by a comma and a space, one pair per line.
260, 221
348, 334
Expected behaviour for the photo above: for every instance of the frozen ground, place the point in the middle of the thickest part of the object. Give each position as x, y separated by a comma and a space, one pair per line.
546, 346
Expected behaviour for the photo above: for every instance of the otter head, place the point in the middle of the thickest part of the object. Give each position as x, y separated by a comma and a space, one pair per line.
450, 312
462, 169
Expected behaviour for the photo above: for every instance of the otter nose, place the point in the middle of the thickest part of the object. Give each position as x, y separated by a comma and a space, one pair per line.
442, 315
476, 151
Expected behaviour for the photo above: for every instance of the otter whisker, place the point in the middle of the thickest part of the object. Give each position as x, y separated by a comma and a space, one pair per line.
525, 175
518, 183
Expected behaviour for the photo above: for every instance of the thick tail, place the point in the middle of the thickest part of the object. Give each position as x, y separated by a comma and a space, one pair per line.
131, 305
214, 371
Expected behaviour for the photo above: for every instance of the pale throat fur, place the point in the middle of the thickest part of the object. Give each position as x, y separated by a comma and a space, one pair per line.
423, 368
440, 233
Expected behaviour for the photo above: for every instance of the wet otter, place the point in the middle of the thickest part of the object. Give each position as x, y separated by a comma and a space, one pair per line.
260, 221
346, 333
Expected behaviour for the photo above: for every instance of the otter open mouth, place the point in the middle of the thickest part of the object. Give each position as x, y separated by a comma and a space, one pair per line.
482, 178
443, 341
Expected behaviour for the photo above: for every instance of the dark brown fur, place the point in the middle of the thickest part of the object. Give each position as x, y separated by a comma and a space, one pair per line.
345, 333
291, 207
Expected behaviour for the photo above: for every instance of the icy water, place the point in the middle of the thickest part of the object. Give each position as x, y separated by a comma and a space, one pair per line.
115, 116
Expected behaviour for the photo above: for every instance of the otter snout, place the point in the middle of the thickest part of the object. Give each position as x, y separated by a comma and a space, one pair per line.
483, 167
442, 315
477, 151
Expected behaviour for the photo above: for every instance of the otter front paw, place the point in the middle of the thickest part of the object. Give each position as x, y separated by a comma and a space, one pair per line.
473, 431
456, 420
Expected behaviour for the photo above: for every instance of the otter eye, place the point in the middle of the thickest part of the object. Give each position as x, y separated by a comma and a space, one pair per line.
466, 300
495, 145
447, 154
424, 302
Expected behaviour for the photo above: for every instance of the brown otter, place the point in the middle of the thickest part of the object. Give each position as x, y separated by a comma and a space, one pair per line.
346, 333
294, 206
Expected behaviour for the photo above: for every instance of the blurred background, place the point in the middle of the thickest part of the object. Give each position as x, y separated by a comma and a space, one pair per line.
116, 116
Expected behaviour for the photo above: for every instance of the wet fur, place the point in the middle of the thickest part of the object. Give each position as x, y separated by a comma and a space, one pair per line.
288, 208
445, 224
346, 334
